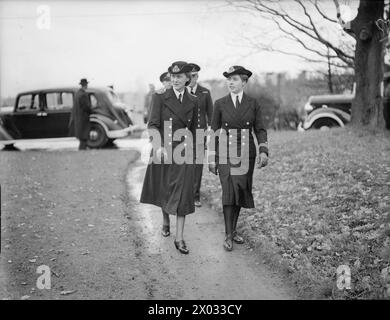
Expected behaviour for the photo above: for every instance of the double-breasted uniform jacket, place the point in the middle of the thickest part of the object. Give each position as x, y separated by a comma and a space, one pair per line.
238, 125
205, 107
170, 185
204, 114
79, 123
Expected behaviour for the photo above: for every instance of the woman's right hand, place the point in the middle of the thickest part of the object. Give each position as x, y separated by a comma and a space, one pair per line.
161, 153
213, 168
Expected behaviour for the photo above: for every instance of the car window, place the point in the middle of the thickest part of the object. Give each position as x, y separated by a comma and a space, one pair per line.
94, 102
28, 102
59, 100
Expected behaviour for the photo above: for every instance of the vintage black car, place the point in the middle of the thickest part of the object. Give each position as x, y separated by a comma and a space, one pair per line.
327, 111
47, 113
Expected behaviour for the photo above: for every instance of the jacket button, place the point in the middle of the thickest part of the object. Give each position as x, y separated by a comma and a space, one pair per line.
247, 123
226, 124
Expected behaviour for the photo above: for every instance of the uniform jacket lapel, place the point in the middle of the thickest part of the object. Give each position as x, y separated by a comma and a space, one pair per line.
243, 109
230, 108
180, 109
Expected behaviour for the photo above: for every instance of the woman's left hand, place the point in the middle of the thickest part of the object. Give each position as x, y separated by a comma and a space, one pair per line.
262, 160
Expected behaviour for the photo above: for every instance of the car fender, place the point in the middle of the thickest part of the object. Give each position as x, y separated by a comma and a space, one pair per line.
105, 122
339, 116
4, 135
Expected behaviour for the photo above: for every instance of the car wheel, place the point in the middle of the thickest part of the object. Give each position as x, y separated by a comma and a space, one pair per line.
324, 124
97, 136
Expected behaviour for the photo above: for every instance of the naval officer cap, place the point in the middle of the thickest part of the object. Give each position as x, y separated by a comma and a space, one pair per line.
164, 77
195, 67
237, 70
179, 67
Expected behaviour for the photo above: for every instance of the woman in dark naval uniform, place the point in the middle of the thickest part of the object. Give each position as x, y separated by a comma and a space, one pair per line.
168, 183
237, 116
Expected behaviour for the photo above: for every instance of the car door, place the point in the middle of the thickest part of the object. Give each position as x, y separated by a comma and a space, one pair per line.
57, 112
26, 120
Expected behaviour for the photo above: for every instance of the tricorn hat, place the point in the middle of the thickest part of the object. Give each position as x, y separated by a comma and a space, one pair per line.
195, 67
164, 76
237, 70
83, 81
179, 67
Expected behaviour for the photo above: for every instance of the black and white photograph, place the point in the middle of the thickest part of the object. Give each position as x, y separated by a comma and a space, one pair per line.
202, 152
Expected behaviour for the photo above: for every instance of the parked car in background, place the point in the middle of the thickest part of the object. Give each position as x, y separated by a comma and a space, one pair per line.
47, 113
327, 111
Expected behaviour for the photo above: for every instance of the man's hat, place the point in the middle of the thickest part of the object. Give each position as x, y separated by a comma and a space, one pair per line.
179, 67
195, 67
164, 76
237, 70
83, 81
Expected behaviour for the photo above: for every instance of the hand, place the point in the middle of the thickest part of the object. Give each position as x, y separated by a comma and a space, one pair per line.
262, 161
213, 168
162, 154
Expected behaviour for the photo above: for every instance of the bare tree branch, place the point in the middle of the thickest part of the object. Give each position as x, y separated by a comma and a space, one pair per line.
306, 31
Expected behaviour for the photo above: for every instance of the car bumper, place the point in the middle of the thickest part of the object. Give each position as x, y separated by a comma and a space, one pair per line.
115, 134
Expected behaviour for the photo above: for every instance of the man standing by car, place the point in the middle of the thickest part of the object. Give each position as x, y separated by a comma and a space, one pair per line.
204, 115
81, 112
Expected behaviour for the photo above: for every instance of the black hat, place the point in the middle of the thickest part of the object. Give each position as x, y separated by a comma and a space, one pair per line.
83, 81
164, 76
237, 70
179, 67
195, 67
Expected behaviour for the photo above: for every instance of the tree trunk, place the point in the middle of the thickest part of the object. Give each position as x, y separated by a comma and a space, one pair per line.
367, 107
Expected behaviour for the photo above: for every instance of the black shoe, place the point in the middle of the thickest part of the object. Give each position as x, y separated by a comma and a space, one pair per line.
165, 231
181, 246
237, 239
228, 243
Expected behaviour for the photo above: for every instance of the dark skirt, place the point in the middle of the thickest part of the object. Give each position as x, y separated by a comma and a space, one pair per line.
237, 183
170, 187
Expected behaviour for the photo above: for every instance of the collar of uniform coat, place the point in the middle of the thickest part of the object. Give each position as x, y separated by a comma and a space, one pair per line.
234, 95
177, 93
182, 110
193, 89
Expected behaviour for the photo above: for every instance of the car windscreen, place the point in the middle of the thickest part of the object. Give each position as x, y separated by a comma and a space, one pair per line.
113, 97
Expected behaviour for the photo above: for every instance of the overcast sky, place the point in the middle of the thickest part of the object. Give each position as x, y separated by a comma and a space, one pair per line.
124, 43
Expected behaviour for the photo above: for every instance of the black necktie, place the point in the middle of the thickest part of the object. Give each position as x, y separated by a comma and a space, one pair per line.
237, 102
180, 97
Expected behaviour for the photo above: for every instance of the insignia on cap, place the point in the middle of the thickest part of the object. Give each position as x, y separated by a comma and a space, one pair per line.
231, 69
175, 69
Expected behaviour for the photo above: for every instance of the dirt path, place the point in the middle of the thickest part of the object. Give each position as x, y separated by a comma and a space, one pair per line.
79, 214
208, 272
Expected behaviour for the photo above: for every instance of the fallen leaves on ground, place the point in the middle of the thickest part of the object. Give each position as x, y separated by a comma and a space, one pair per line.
323, 201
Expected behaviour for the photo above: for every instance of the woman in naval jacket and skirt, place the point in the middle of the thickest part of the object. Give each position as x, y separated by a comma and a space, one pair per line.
236, 116
168, 181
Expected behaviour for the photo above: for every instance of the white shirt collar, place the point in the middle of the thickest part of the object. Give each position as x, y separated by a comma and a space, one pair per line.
233, 96
192, 89
177, 93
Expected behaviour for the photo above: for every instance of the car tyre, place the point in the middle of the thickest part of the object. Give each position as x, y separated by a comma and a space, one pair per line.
97, 136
